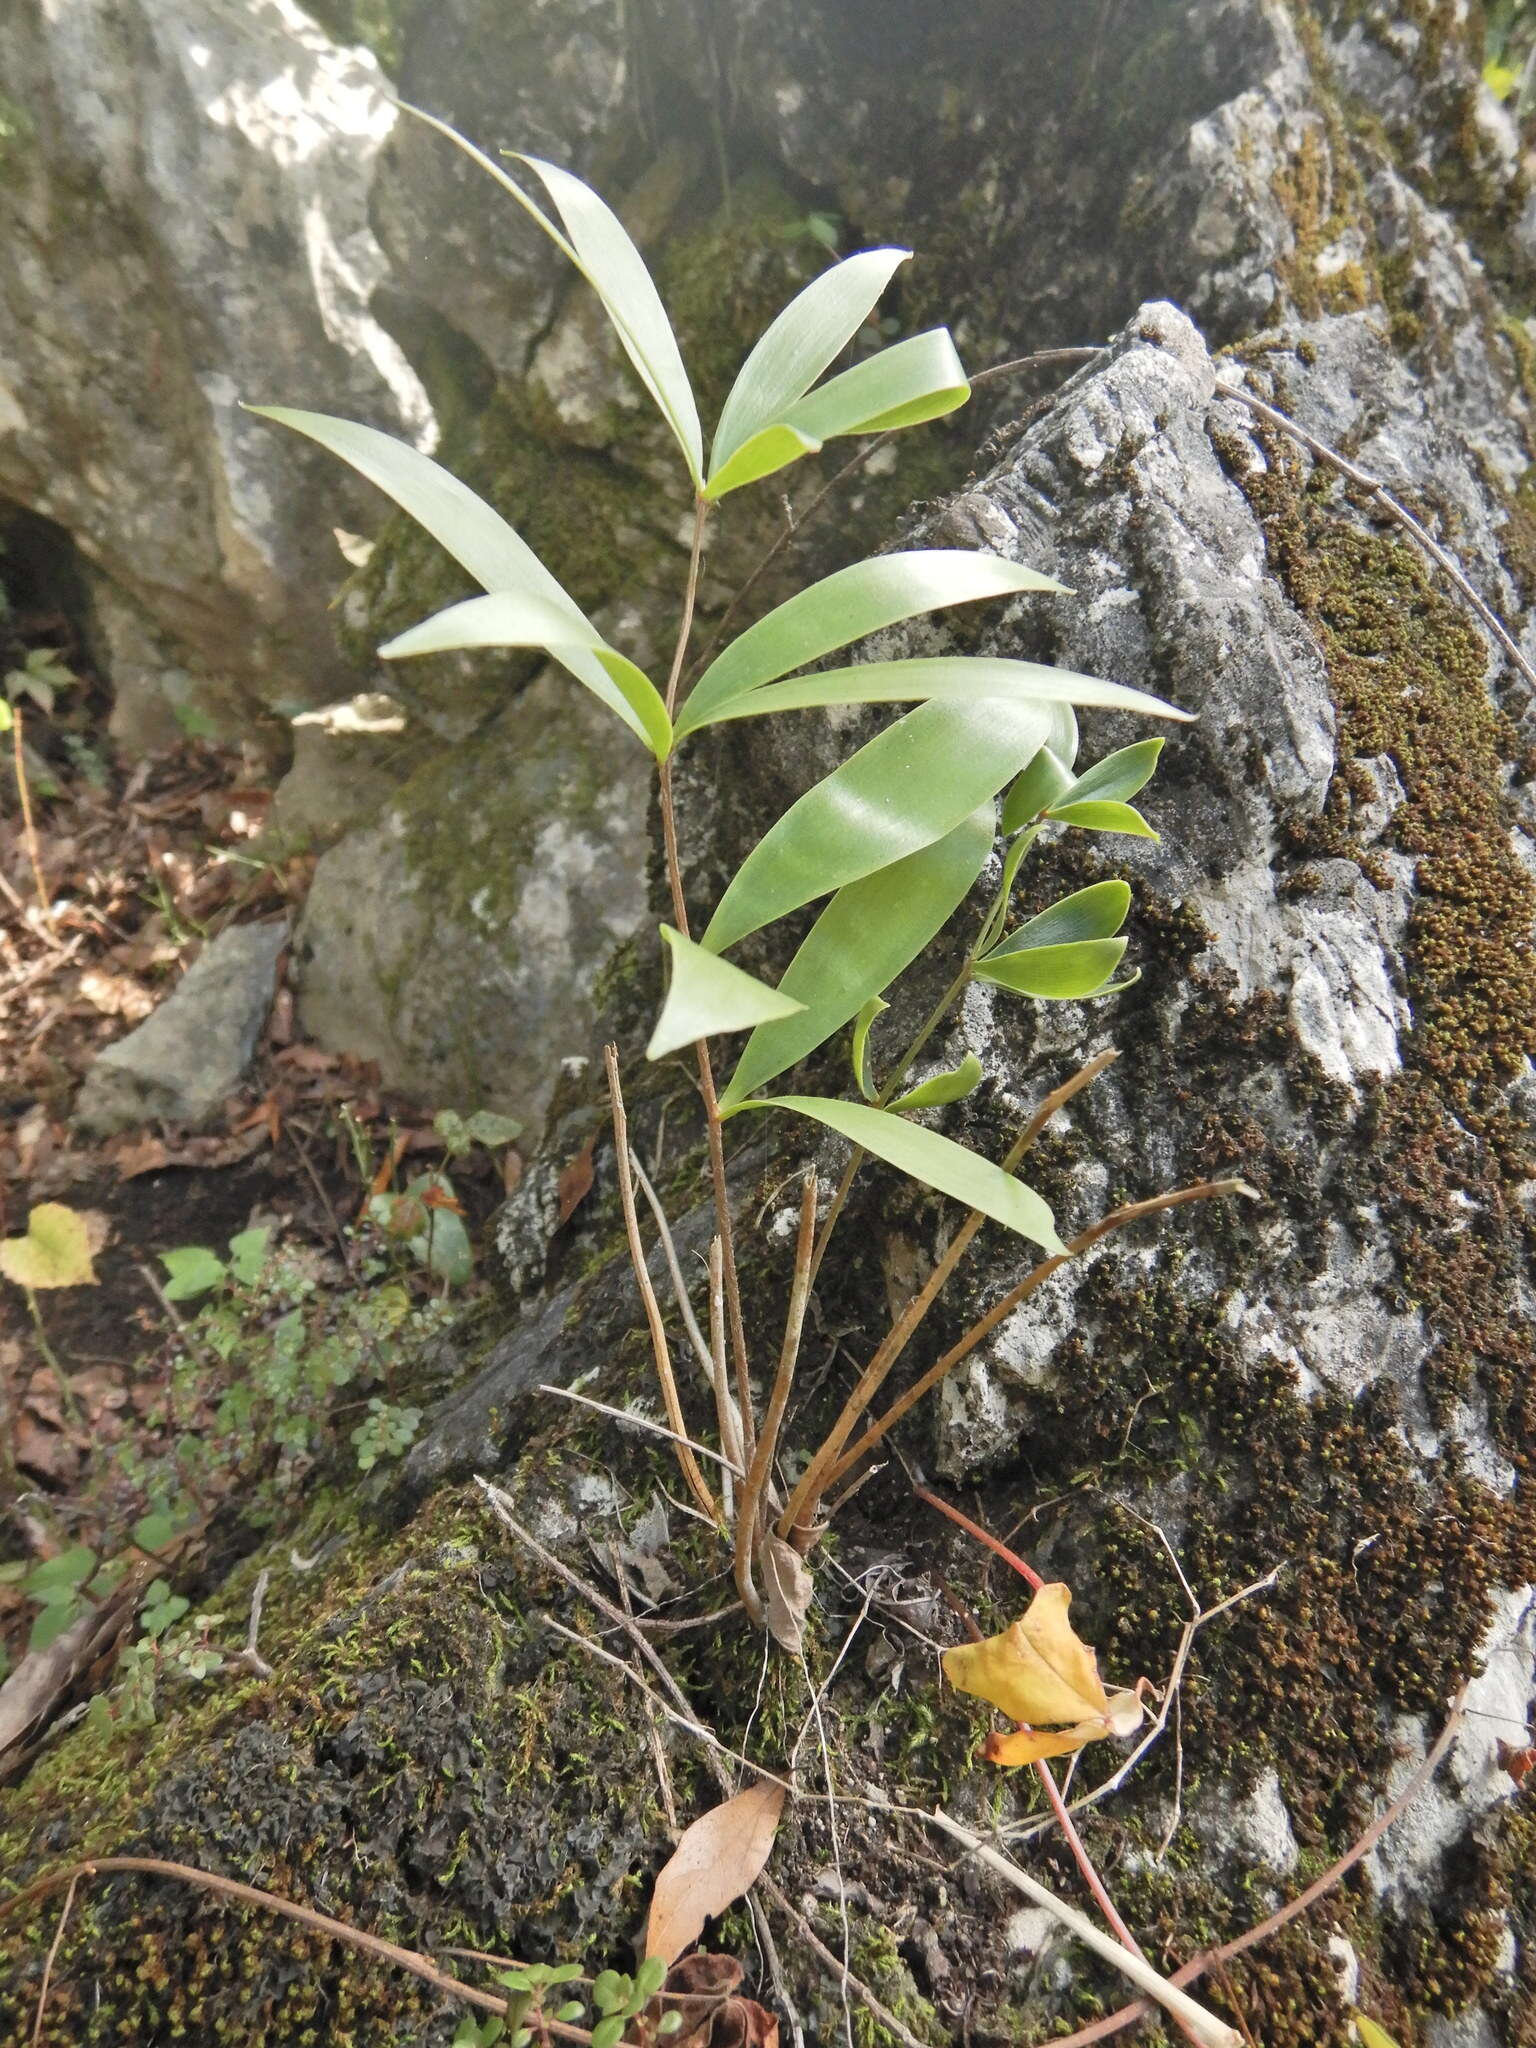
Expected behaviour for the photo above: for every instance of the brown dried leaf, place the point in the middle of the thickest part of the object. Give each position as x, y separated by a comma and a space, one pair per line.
142, 1155
715, 1861
575, 1183
788, 1584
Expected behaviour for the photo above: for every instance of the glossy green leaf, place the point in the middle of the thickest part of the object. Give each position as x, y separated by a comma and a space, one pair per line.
858, 1051
1043, 781
505, 618
918, 779
1118, 775
919, 379
519, 618
707, 995
812, 329
1096, 912
847, 606
952, 678
615, 269
1055, 973
930, 1157
866, 936
600, 248
475, 534
951, 1086
1104, 817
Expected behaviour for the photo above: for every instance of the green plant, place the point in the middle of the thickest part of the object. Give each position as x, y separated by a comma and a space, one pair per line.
896, 836
41, 675
270, 1349
618, 2005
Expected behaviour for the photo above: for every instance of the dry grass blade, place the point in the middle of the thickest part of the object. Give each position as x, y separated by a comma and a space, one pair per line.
748, 1513
1202, 2026
659, 1346
827, 1466
1132, 1212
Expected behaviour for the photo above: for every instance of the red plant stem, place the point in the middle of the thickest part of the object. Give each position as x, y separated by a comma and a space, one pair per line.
982, 1536
707, 1093
1043, 1771
1116, 2022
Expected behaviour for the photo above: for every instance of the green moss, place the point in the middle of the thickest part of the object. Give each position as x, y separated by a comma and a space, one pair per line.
1319, 191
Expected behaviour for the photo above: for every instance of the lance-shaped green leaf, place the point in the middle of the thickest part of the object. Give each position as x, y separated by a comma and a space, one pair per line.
707, 995
1055, 973
907, 787
951, 1086
1096, 912
858, 1051
1103, 817
1069, 951
919, 379
1043, 781
1117, 776
867, 934
508, 618
953, 678
928, 1156
601, 249
474, 533
797, 347
845, 607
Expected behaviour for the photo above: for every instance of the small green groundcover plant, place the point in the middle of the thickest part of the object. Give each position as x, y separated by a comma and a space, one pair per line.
891, 842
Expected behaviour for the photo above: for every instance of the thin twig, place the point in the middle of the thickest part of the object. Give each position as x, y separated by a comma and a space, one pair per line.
250, 1655
772, 1958
658, 1753
727, 1414
1373, 486
1203, 2026
688, 1722
1191, 1972
53, 1951
634, 1421
842, 1974
674, 1266
748, 1512
659, 1347
1131, 1212
29, 829
290, 1909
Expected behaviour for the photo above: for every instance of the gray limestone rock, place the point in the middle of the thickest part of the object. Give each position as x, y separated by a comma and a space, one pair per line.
181, 1063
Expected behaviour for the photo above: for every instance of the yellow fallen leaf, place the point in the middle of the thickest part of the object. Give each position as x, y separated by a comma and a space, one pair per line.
1041, 1674
56, 1251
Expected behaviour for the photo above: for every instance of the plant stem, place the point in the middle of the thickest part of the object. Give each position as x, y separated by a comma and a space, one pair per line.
28, 824
752, 1492
1203, 2026
659, 1346
711, 1102
61, 1377
826, 1466
1131, 1212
